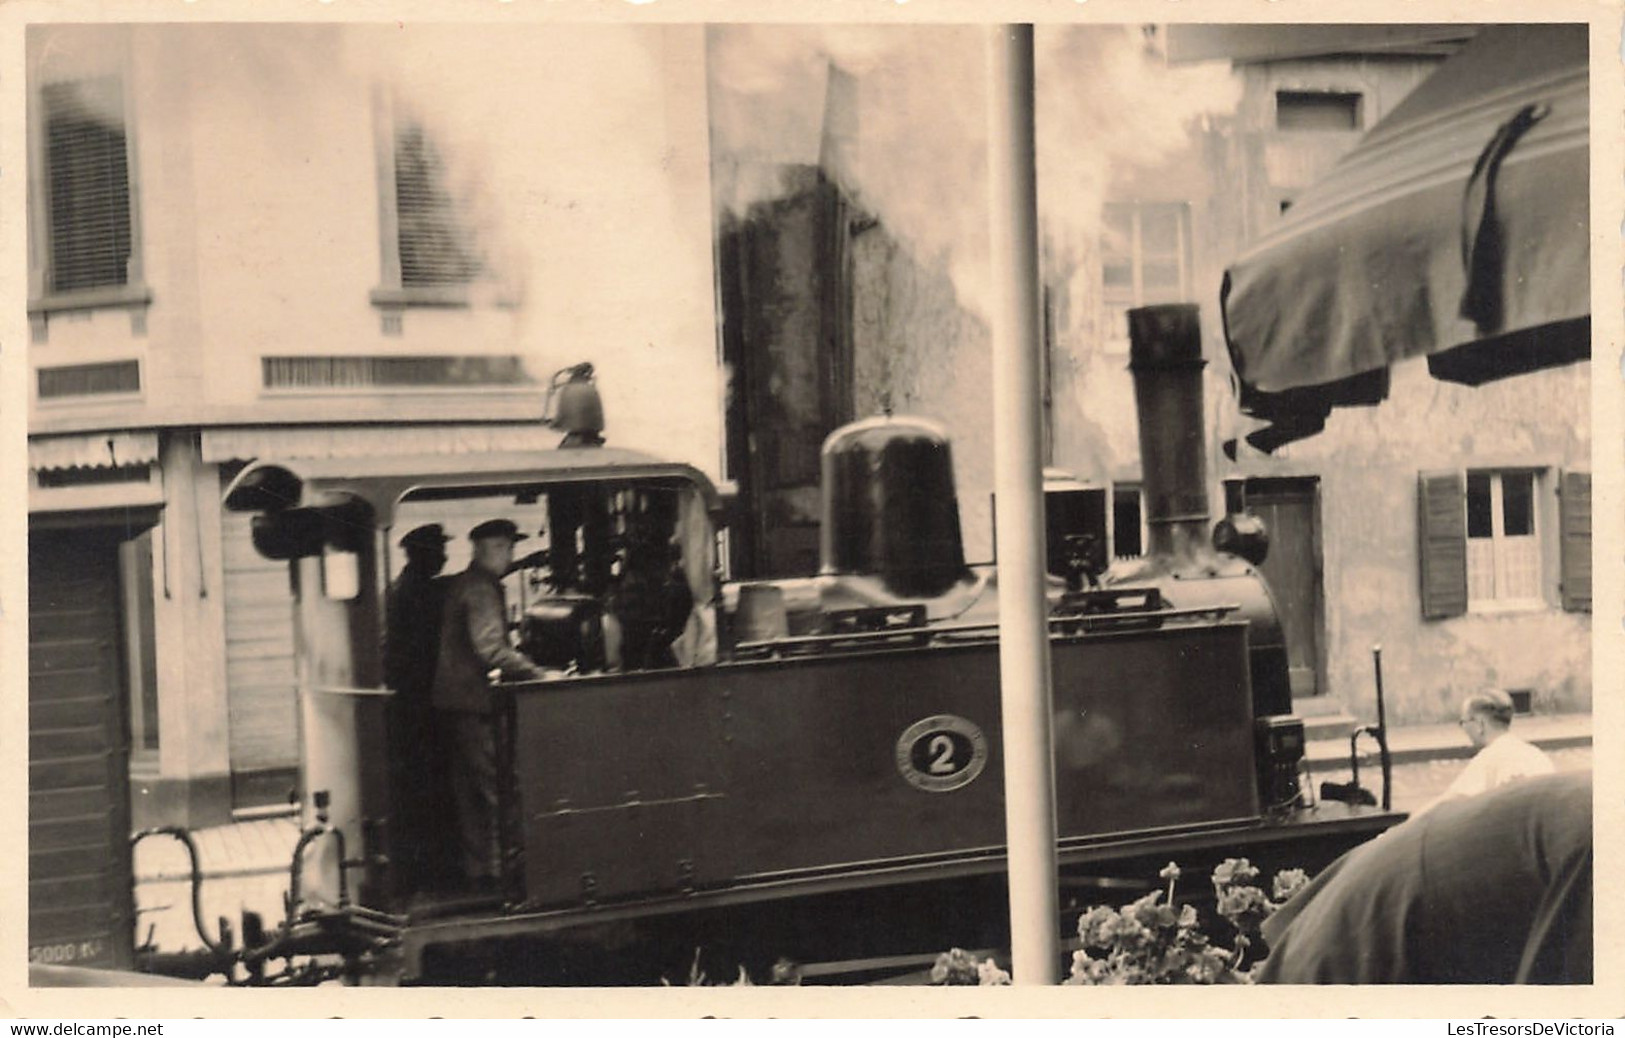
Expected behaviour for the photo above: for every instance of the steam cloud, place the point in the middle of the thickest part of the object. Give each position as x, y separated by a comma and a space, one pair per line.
900, 113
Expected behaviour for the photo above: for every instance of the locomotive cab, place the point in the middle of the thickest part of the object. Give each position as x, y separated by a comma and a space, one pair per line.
617, 574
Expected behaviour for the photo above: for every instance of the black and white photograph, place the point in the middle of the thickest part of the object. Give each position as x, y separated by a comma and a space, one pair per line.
1031, 499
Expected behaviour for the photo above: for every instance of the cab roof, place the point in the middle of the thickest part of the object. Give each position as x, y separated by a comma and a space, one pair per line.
271, 486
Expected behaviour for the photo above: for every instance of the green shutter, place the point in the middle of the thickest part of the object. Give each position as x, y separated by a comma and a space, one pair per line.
1574, 508
1442, 529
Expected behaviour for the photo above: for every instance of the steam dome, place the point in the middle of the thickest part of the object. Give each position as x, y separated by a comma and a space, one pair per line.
889, 506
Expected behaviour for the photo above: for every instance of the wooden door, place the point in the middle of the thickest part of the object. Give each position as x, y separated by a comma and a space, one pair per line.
79, 872
1290, 509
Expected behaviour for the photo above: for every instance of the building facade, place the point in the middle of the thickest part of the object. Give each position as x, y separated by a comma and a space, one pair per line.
295, 241
1450, 525
299, 241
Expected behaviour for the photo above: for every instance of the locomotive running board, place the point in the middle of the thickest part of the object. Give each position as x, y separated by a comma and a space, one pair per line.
1326, 822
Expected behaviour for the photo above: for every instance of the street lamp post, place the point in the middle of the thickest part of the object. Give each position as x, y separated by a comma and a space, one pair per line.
1024, 663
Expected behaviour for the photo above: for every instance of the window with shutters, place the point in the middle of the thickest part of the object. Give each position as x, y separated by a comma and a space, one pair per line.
1574, 554
1145, 258
84, 231
433, 238
430, 230
1488, 538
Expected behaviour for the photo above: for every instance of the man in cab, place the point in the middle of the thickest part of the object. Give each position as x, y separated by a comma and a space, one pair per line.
474, 644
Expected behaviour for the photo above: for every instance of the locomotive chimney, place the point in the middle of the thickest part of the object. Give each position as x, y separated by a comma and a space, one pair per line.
1165, 355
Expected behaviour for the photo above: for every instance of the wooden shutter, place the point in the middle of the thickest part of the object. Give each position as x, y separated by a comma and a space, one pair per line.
437, 245
261, 697
1574, 525
88, 179
1442, 529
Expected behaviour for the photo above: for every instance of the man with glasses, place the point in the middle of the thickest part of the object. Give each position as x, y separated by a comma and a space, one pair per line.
1502, 757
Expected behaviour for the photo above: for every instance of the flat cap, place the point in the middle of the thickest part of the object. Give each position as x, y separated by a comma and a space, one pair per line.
493, 528
432, 535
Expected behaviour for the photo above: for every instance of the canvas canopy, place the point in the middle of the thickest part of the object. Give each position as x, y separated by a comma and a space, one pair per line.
1457, 229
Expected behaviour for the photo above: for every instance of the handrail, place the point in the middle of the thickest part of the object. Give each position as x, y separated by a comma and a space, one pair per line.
986, 628
346, 690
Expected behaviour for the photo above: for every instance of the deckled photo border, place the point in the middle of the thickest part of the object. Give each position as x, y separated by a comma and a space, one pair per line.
1606, 998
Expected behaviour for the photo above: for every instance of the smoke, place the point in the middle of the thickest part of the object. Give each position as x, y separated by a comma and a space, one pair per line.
530, 138
898, 115
1109, 109
899, 112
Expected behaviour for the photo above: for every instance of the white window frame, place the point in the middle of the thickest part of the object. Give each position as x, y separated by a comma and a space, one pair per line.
1114, 330
44, 299
1138, 489
1500, 545
391, 296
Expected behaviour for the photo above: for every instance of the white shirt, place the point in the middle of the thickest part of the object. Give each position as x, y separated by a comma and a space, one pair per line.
1504, 760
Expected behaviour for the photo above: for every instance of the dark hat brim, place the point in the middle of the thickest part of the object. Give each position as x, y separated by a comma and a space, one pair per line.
425, 538
507, 532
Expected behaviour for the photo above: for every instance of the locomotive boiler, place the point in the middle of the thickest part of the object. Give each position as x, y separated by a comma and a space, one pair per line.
809, 768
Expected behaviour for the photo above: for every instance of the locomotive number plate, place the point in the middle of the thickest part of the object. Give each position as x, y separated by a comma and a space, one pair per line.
941, 753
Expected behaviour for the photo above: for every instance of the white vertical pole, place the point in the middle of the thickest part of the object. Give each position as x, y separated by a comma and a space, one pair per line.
1024, 665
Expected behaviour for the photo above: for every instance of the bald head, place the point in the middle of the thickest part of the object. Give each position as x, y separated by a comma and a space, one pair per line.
1486, 714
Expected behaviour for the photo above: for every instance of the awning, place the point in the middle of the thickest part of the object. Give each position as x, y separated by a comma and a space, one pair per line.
291, 443
1458, 229
92, 450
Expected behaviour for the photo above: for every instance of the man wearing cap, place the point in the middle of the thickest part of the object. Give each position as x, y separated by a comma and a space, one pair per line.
411, 644
474, 642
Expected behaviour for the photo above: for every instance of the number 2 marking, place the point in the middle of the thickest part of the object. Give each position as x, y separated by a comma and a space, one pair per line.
942, 763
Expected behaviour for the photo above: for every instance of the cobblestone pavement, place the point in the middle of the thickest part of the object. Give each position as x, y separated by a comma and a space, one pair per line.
1419, 782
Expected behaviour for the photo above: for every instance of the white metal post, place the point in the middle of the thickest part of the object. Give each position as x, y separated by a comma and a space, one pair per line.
1024, 664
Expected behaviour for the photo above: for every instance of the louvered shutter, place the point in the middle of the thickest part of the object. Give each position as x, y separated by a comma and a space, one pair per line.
88, 179
1442, 528
1574, 507
437, 245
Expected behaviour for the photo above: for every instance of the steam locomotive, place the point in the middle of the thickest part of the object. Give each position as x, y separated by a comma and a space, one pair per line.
810, 769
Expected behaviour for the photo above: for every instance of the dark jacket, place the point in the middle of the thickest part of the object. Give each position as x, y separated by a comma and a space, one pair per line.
412, 634
473, 642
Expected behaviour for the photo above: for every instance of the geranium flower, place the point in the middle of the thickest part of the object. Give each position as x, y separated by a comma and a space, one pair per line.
955, 966
1288, 882
1148, 913
1097, 927
1245, 906
1233, 871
